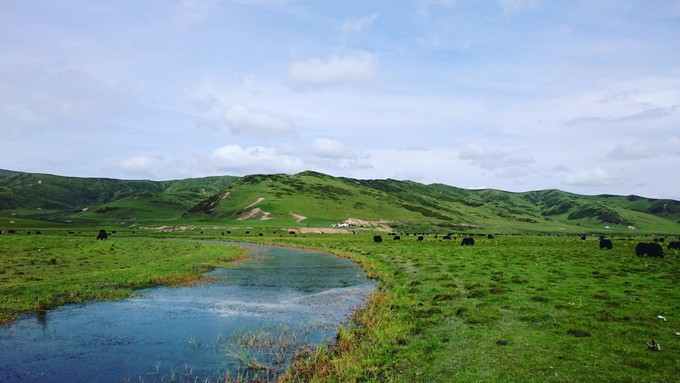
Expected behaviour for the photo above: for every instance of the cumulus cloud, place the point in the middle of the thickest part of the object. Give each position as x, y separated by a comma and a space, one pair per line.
234, 159
329, 148
358, 25
630, 150
493, 159
335, 70
247, 122
593, 177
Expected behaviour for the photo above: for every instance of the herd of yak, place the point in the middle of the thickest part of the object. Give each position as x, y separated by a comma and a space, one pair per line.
650, 249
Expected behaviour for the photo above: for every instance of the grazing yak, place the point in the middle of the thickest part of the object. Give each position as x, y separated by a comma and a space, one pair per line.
651, 249
490, 236
467, 241
583, 237
447, 237
102, 234
606, 244
420, 238
674, 246
396, 237
377, 239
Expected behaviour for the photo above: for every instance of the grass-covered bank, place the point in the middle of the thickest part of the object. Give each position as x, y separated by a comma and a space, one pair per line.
508, 309
42, 271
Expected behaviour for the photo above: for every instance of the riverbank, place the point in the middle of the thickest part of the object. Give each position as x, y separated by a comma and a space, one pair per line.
40, 272
531, 309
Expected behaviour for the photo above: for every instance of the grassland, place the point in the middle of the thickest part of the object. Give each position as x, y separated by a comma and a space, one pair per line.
508, 309
42, 271
443, 312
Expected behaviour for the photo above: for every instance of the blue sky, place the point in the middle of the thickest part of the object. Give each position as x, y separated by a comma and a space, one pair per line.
510, 94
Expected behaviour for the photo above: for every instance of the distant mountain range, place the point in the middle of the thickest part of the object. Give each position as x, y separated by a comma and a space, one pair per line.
315, 200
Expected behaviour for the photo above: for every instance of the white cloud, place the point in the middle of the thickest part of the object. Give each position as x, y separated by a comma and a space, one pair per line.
234, 159
594, 177
631, 150
247, 122
335, 70
358, 25
328, 148
494, 159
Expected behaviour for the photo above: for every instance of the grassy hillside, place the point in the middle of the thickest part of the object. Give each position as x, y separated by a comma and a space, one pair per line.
316, 200
279, 200
48, 197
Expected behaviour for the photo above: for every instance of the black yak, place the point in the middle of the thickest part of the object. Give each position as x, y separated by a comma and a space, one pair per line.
674, 246
420, 237
651, 249
377, 239
606, 244
396, 237
102, 234
467, 241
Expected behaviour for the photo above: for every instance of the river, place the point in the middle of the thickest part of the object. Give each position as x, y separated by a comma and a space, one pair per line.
247, 323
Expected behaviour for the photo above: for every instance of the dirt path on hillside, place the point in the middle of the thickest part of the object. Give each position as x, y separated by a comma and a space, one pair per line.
255, 203
298, 218
257, 212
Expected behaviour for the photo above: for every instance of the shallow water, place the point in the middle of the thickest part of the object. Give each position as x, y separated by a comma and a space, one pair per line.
265, 309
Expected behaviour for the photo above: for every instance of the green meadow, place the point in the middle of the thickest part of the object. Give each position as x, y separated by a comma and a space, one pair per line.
512, 308
38, 272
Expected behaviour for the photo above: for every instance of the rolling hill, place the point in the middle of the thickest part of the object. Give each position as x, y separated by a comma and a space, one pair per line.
315, 200
50, 197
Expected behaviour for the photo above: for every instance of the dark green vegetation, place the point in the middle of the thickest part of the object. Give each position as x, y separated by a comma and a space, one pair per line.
39, 272
311, 199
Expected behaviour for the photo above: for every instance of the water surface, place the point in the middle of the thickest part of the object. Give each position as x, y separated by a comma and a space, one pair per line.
263, 310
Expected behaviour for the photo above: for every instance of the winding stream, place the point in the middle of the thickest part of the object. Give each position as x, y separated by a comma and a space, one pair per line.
255, 315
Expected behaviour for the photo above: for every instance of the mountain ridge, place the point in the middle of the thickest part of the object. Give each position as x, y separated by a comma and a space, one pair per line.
278, 200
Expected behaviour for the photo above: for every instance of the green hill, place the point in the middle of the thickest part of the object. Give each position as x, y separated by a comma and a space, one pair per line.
315, 200
280, 200
49, 197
